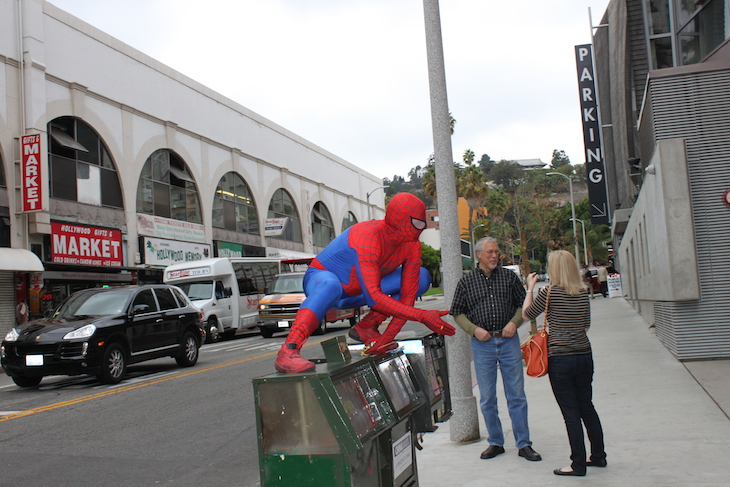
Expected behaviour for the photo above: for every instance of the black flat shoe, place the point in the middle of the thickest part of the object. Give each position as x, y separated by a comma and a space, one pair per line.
491, 452
559, 471
602, 463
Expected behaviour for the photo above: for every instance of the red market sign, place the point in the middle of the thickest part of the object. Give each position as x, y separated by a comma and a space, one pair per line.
81, 245
30, 169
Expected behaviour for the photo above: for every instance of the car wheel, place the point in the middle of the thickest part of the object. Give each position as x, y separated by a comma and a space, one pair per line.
113, 364
188, 351
321, 328
213, 331
266, 332
27, 381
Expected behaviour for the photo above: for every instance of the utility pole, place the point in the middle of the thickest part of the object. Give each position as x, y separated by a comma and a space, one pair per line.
465, 422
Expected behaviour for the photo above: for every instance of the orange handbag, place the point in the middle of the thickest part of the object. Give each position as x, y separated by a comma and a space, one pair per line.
535, 348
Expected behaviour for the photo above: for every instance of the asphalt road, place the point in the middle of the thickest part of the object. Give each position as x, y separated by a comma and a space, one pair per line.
162, 425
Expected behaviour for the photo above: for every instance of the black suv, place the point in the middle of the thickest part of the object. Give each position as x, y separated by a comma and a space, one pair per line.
100, 331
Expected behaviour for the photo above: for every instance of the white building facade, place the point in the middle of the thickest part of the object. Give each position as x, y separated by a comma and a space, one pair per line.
135, 166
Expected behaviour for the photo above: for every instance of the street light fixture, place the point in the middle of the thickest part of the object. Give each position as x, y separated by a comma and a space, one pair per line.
367, 197
572, 210
585, 244
473, 250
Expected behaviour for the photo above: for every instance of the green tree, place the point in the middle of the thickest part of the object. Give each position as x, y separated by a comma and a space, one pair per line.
559, 159
431, 261
507, 174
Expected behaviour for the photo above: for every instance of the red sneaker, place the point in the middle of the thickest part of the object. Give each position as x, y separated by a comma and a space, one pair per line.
290, 361
364, 335
373, 348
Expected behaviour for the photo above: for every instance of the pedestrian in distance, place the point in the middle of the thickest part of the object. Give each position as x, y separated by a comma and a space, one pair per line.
570, 362
603, 279
487, 305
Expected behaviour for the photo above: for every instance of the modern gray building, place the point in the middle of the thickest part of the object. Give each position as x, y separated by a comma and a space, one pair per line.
663, 75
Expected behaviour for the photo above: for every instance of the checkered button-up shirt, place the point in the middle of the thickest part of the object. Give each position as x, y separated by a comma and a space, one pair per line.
488, 301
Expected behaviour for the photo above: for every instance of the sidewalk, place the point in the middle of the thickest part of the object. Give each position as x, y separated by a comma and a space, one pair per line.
663, 421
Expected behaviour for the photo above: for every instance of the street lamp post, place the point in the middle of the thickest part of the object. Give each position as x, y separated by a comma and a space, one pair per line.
572, 211
367, 197
473, 250
585, 244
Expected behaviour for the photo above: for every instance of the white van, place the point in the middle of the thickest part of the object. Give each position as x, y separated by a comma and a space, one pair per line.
226, 289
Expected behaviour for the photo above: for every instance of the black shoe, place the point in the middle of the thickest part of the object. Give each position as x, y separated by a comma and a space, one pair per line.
559, 471
491, 452
529, 453
594, 463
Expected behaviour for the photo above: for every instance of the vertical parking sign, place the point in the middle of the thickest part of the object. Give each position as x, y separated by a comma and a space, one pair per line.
30, 173
595, 170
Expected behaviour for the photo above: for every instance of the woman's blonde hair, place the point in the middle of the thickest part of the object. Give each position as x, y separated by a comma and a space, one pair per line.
563, 272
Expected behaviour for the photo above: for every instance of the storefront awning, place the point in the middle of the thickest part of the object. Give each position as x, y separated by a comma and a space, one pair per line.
19, 260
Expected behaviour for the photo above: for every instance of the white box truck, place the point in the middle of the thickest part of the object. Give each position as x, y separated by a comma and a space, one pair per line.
227, 290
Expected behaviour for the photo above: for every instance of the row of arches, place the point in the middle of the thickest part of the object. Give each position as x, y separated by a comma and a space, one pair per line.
82, 169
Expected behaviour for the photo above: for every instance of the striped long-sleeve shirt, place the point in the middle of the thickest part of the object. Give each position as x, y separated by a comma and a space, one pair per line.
569, 316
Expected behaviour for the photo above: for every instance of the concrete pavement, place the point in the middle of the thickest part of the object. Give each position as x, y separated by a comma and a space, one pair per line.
665, 423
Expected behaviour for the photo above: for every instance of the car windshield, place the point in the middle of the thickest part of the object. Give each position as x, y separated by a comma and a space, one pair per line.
288, 284
95, 304
197, 290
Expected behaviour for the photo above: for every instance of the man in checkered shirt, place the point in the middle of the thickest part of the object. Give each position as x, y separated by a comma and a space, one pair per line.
488, 305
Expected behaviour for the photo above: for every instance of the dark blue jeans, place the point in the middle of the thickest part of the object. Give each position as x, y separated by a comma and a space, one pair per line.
571, 377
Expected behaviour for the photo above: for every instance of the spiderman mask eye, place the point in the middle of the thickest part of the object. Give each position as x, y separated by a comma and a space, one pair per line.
418, 224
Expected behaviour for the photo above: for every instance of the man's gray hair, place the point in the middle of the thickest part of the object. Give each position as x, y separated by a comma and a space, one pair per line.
480, 244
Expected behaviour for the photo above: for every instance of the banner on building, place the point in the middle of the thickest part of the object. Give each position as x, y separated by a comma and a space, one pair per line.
157, 226
595, 168
228, 249
161, 253
273, 227
82, 245
31, 189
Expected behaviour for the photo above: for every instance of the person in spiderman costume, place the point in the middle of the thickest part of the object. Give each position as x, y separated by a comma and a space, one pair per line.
375, 263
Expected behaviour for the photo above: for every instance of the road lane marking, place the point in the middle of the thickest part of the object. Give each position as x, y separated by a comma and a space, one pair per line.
130, 387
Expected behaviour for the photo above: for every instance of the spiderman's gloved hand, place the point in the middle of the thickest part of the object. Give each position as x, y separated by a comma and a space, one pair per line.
432, 319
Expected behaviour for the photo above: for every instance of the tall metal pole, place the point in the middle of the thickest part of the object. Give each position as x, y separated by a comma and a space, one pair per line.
367, 197
464, 424
572, 211
585, 244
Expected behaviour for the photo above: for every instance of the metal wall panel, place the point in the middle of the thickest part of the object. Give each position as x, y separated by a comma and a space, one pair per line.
696, 107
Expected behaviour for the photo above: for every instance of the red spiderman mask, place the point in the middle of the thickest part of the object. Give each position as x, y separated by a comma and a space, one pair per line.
405, 217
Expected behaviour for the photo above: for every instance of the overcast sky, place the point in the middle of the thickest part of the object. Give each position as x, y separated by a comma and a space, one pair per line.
351, 75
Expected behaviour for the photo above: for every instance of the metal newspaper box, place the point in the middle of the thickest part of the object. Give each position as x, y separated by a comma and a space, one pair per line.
335, 426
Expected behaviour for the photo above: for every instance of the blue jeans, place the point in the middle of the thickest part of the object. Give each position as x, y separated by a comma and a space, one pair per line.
505, 354
571, 377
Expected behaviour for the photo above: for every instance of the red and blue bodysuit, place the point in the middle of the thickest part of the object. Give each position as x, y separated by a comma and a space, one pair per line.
375, 263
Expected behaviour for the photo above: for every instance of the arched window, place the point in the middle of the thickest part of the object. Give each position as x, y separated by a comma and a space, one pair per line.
167, 189
233, 205
323, 230
80, 165
348, 221
282, 206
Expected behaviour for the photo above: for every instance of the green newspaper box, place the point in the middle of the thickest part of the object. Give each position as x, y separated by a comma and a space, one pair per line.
337, 425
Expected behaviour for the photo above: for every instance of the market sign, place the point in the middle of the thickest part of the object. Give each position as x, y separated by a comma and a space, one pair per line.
82, 245
160, 252
595, 170
31, 178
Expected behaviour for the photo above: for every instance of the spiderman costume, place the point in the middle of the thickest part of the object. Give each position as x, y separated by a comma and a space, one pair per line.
375, 263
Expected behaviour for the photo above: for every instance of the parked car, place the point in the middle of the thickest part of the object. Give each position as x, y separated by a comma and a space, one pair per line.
279, 307
100, 331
